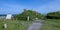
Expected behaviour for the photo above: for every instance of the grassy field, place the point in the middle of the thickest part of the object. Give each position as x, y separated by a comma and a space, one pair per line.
15, 25
52, 24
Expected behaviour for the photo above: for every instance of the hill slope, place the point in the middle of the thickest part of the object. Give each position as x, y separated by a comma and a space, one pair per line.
30, 13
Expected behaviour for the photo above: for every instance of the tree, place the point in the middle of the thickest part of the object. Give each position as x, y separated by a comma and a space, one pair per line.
53, 15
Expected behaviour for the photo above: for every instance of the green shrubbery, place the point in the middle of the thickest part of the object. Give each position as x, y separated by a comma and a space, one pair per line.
53, 15
30, 13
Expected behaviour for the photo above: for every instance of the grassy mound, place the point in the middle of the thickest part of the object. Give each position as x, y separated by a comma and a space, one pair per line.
30, 13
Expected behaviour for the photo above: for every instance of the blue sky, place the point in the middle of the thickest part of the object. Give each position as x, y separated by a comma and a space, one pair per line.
17, 6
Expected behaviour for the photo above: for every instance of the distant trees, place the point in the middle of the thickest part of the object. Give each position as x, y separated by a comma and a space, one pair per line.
34, 14
53, 15
30, 13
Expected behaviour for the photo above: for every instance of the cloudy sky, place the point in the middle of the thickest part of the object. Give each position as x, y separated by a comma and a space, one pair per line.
17, 6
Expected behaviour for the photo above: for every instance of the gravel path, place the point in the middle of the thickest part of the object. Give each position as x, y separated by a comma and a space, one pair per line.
36, 25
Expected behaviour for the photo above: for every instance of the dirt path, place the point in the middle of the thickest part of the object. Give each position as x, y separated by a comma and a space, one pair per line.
36, 25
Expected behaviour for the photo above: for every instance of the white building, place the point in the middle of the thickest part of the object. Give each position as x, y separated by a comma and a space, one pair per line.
9, 16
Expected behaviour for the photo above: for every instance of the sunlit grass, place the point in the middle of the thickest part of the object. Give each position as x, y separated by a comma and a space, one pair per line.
15, 25
52, 24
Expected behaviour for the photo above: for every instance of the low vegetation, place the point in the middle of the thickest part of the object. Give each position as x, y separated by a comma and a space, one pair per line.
15, 25
52, 24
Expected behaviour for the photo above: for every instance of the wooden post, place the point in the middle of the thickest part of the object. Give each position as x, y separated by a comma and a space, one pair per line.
36, 16
16, 19
28, 18
5, 26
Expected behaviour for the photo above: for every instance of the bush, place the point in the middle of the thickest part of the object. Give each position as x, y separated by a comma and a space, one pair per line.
30, 13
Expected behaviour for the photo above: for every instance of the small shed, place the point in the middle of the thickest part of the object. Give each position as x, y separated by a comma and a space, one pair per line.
9, 16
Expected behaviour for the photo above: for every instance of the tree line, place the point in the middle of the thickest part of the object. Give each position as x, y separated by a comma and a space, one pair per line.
34, 14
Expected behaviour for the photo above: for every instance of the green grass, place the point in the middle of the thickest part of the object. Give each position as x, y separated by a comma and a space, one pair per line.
15, 25
52, 24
